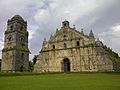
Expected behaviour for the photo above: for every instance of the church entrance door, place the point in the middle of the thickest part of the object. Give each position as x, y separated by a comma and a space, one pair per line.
66, 65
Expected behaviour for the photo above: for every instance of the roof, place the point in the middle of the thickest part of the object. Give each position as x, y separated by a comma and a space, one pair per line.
17, 17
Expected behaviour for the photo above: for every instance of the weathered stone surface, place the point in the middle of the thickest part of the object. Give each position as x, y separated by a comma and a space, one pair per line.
15, 54
71, 50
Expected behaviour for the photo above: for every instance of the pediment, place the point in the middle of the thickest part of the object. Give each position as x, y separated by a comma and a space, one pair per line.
67, 34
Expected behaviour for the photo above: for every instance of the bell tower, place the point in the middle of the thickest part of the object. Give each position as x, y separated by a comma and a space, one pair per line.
15, 54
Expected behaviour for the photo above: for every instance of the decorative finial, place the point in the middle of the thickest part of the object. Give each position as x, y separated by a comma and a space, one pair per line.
51, 36
44, 42
91, 34
56, 30
82, 31
44, 39
98, 39
74, 26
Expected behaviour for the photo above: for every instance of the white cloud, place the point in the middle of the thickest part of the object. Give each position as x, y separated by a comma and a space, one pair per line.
116, 28
32, 30
66, 9
111, 38
42, 15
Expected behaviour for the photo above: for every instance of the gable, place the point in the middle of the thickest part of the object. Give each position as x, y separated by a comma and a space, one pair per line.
67, 34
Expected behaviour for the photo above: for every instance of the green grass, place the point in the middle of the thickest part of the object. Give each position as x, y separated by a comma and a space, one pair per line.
60, 81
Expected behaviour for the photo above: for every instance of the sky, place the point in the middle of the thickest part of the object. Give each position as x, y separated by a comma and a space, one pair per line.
45, 16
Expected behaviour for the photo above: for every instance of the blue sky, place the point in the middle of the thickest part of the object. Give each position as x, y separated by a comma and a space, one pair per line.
45, 16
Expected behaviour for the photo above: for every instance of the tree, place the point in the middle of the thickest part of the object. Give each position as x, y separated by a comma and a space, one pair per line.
35, 59
30, 66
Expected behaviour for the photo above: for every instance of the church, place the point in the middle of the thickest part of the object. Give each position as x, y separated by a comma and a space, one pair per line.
69, 50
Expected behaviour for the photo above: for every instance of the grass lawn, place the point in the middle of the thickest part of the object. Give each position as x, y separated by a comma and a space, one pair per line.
71, 81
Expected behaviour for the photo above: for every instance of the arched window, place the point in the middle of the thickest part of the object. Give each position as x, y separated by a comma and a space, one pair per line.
64, 36
53, 46
65, 46
9, 38
11, 27
7, 56
64, 24
78, 43
22, 39
16, 26
22, 56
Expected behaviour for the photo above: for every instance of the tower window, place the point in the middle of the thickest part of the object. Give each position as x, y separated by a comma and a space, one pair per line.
7, 56
78, 44
53, 46
22, 55
11, 27
22, 39
10, 38
65, 46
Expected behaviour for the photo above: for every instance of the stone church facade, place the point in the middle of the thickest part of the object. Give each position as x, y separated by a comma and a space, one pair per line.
15, 54
71, 50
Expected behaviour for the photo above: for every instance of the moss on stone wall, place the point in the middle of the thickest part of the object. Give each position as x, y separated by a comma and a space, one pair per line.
18, 49
21, 32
